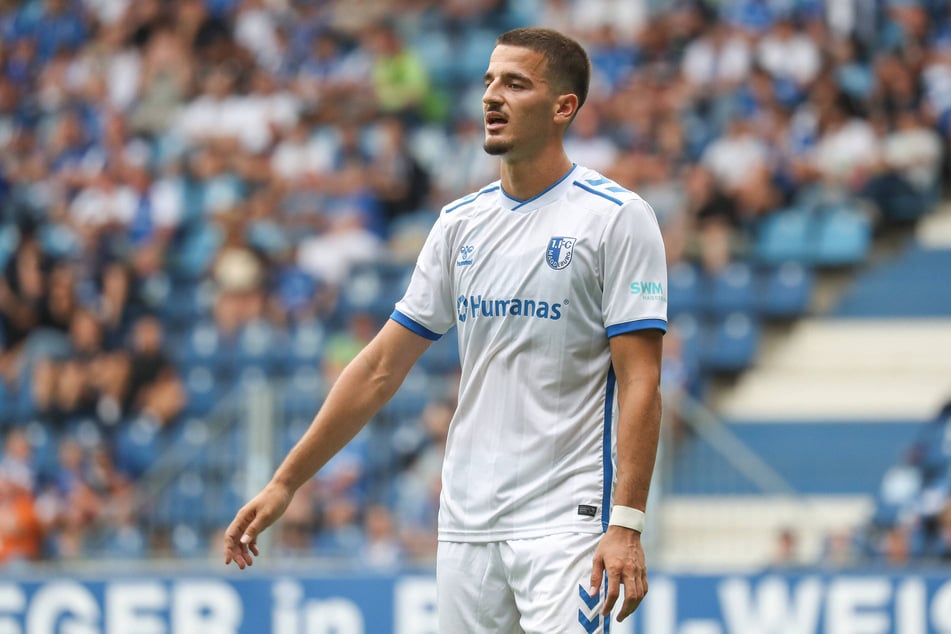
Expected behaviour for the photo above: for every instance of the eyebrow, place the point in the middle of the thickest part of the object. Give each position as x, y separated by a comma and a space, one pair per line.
508, 75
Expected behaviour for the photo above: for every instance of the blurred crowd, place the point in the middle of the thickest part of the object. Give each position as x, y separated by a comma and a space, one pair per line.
253, 152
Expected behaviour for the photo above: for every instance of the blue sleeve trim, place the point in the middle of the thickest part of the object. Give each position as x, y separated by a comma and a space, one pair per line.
640, 324
592, 190
412, 326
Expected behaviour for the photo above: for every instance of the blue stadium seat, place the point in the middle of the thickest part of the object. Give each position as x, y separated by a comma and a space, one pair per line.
203, 347
303, 392
294, 428
228, 499
784, 291
125, 542
44, 441
731, 344
188, 498
187, 542
306, 346
477, 46
373, 288
687, 327
263, 347
436, 52
190, 442
137, 445
683, 290
442, 356
843, 236
732, 290
185, 305
406, 404
784, 235
202, 390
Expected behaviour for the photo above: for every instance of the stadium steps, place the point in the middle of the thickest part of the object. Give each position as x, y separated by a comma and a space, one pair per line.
934, 230
700, 532
851, 369
830, 404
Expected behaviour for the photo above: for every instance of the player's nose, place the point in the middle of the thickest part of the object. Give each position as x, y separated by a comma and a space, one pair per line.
491, 97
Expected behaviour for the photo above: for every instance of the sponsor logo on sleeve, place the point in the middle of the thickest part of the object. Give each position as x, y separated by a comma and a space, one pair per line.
649, 290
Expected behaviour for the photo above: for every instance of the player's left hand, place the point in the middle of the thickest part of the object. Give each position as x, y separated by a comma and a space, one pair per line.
621, 556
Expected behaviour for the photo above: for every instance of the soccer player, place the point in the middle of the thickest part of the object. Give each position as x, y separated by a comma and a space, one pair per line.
554, 277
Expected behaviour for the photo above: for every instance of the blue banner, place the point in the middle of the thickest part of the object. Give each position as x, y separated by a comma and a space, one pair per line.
804, 602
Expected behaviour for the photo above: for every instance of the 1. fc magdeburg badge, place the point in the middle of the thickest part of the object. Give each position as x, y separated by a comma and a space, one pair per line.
559, 252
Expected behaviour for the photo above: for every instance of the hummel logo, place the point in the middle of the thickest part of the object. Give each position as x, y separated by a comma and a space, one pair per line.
590, 601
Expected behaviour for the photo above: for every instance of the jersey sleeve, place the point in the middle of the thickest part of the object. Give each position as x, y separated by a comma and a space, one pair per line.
634, 269
427, 307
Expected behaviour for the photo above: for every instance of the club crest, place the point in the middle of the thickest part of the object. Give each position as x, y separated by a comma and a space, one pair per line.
560, 249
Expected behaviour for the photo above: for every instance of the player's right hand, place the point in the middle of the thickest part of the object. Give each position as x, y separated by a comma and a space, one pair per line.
262, 511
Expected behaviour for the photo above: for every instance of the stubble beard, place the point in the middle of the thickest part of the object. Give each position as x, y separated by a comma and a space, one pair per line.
496, 147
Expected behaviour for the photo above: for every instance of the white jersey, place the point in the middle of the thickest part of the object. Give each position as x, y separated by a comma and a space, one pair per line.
536, 288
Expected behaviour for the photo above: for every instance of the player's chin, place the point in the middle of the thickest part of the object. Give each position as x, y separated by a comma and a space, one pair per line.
496, 146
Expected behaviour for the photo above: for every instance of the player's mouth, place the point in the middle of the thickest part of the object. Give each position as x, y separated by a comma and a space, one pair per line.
495, 121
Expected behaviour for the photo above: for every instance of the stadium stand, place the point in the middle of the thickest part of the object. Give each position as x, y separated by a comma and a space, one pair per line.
259, 176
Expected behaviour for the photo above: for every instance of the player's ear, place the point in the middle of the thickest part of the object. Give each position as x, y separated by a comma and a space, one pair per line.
565, 108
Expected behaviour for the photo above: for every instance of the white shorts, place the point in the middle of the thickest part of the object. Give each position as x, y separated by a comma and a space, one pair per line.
519, 586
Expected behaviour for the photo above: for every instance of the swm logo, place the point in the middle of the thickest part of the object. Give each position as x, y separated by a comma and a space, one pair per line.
649, 290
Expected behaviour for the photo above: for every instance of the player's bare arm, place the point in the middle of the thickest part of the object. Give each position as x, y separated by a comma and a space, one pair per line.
636, 358
366, 384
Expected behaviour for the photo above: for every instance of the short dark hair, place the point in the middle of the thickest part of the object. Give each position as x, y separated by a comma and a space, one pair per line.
567, 63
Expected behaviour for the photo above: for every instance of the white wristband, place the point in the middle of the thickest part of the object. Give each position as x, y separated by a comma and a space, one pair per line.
628, 518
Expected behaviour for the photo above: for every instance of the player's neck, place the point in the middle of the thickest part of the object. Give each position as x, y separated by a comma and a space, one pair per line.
528, 178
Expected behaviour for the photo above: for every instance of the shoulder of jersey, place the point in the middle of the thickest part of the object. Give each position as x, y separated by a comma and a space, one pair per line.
594, 191
470, 202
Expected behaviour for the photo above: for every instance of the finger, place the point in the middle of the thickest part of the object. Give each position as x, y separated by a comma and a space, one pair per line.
614, 590
250, 536
597, 574
635, 589
235, 550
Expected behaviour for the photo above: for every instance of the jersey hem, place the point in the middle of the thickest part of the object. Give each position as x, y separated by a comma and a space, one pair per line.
413, 326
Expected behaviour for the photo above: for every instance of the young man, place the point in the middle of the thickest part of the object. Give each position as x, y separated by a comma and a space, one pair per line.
554, 277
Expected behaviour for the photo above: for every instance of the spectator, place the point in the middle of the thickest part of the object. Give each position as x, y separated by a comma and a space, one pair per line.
57, 25
400, 80
718, 61
238, 275
77, 505
343, 346
789, 54
848, 151
586, 143
787, 548
17, 459
740, 164
150, 150
22, 289
75, 385
382, 550
151, 385
332, 82
164, 83
905, 184
21, 534
400, 182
